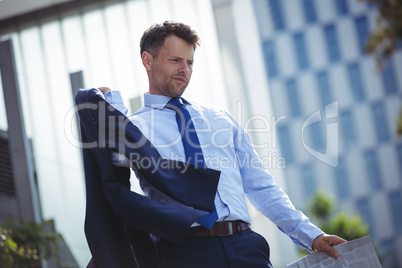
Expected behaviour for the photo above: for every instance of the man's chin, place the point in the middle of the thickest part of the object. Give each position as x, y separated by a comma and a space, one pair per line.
177, 94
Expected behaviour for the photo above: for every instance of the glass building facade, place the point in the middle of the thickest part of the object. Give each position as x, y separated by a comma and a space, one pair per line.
329, 64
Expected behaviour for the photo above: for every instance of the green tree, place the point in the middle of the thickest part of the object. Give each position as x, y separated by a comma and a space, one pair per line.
321, 209
383, 41
24, 244
399, 127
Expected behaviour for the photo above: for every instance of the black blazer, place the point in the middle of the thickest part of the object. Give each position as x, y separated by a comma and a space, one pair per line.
117, 217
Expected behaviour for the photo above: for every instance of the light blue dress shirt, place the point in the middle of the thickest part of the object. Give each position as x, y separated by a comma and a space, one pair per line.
226, 147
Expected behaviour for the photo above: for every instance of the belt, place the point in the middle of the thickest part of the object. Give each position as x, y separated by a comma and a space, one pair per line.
219, 229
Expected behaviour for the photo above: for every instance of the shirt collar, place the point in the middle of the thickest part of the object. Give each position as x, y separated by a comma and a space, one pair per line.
158, 101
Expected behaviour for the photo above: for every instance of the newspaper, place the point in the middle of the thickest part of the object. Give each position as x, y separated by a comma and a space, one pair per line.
357, 253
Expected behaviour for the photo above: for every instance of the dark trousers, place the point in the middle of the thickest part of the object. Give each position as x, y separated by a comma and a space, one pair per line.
244, 249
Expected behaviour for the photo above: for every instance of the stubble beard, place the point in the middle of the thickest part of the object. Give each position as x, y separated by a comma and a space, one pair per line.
167, 86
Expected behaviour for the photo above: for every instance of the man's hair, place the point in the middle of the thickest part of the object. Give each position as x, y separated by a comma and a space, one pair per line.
154, 37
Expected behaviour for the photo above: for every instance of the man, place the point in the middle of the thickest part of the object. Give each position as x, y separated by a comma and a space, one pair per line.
167, 52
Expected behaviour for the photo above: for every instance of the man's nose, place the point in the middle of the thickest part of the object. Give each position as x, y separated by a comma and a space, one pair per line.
184, 68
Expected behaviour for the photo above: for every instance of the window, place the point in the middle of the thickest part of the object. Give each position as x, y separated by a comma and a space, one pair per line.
270, 59
355, 81
389, 253
331, 41
136, 103
363, 206
399, 44
309, 183
324, 88
309, 11
395, 201
301, 51
3, 115
373, 170
293, 97
6, 170
285, 143
380, 122
317, 137
341, 7
362, 32
348, 128
399, 157
341, 180
277, 15
388, 78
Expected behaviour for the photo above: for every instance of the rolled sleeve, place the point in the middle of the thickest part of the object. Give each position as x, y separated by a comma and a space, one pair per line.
115, 99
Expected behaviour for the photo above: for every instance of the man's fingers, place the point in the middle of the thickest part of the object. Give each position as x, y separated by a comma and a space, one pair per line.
331, 251
338, 240
324, 243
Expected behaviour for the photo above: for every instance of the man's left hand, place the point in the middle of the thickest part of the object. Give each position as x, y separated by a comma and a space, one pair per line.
324, 242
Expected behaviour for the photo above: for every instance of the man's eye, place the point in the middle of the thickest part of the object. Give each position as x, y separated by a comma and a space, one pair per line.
175, 60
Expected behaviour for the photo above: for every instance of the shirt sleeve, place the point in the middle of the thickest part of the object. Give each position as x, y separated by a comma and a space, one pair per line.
266, 196
115, 99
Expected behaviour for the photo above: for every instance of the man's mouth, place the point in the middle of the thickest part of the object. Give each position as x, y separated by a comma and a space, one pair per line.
180, 79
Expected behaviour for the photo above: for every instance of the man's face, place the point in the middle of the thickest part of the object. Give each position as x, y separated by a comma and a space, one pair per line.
171, 71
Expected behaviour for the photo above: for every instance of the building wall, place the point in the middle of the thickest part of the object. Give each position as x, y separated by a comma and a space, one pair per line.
314, 59
9, 9
102, 40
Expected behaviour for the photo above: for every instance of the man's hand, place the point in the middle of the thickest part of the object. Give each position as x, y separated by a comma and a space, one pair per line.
104, 90
324, 242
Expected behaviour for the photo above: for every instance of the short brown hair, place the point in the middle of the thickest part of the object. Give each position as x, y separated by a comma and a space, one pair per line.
154, 37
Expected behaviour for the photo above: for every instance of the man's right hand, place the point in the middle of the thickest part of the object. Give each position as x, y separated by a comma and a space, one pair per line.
104, 90
325, 242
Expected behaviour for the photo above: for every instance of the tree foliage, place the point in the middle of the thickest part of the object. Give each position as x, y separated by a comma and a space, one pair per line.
387, 35
24, 244
322, 210
383, 41
347, 227
322, 207
399, 127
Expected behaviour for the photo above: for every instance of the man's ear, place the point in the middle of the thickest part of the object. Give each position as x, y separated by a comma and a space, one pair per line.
147, 60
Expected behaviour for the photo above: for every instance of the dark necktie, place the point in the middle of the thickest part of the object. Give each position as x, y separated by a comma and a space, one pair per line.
192, 147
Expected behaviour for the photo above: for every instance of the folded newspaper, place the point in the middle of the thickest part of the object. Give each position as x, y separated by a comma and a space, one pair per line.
357, 253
